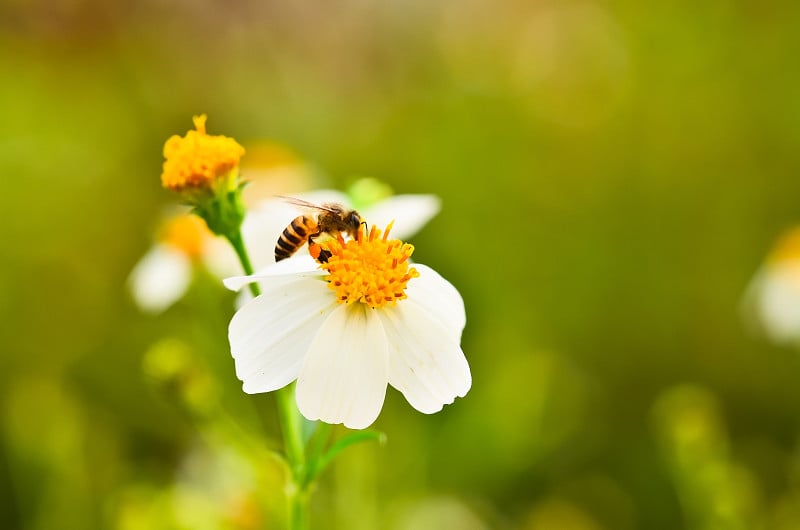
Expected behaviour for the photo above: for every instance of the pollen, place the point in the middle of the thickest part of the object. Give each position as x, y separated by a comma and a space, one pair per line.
199, 160
371, 269
187, 233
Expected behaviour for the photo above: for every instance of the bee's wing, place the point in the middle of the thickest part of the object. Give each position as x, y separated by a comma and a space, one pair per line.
305, 204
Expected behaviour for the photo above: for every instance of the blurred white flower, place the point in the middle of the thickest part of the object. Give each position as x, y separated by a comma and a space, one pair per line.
346, 328
164, 273
771, 302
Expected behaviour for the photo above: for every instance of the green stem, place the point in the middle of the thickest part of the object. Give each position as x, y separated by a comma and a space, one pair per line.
292, 432
298, 494
314, 450
237, 242
298, 509
291, 423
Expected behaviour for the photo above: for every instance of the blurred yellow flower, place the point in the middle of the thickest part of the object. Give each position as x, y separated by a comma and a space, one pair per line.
199, 161
186, 233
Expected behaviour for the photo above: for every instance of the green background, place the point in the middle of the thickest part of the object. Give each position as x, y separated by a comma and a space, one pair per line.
612, 175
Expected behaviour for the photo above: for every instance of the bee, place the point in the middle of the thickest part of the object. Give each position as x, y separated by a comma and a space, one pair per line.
331, 219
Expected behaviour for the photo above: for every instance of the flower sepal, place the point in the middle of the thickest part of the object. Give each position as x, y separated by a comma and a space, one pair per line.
223, 211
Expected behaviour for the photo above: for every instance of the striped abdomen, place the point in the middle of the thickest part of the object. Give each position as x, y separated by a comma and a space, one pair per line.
295, 236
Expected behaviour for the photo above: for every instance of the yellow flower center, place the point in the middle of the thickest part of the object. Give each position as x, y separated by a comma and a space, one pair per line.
370, 269
187, 233
199, 160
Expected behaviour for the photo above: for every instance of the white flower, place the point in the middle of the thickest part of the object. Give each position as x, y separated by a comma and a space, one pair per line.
347, 328
164, 273
772, 300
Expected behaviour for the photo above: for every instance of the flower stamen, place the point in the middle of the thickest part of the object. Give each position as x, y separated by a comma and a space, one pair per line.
369, 269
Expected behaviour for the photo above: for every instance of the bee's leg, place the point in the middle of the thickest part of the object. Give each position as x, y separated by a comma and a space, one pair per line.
316, 250
319, 253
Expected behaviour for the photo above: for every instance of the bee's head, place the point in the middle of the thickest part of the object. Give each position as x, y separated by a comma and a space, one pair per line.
353, 220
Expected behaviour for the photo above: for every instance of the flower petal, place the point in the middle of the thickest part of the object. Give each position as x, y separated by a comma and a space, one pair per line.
160, 278
262, 227
425, 363
775, 295
410, 213
437, 296
304, 266
270, 335
344, 376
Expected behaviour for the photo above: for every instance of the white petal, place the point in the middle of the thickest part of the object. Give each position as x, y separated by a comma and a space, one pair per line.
776, 294
160, 278
243, 297
438, 297
344, 377
261, 229
410, 213
295, 266
270, 335
425, 363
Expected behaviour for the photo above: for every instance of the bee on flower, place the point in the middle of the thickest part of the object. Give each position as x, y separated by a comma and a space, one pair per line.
771, 303
347, 327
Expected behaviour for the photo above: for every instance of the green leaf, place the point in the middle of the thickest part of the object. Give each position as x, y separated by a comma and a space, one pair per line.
318, 464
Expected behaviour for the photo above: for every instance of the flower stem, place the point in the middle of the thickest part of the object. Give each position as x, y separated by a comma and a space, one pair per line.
237, 242
292, 432
298, 509
298, 494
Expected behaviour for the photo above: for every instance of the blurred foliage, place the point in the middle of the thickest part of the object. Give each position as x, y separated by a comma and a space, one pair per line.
612, 174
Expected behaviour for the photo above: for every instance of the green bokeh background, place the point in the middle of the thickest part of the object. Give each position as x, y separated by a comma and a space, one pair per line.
612, 174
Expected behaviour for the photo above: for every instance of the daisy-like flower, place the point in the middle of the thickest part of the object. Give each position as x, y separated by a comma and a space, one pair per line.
772, 300
346, 328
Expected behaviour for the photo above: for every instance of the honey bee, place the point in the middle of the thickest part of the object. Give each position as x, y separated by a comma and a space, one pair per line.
331, 219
